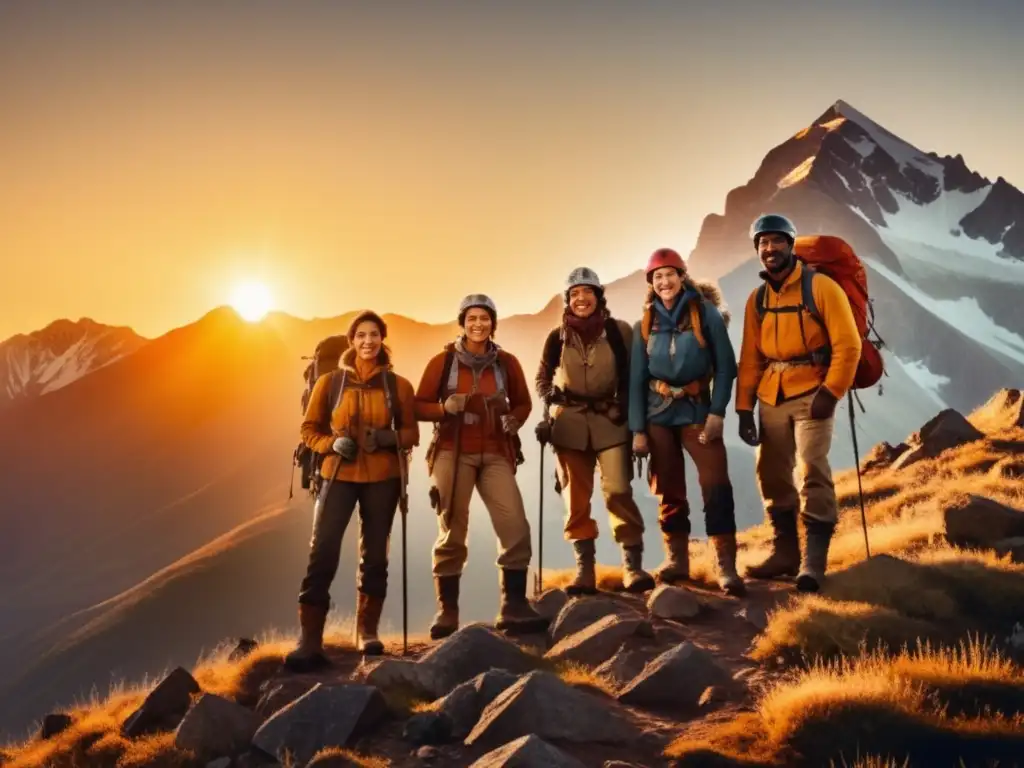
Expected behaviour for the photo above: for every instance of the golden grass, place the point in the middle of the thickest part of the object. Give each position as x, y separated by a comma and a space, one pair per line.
960, 702
327, 758
581, 676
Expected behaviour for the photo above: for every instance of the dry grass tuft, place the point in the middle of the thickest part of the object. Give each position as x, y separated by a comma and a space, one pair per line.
344, 758
581, 676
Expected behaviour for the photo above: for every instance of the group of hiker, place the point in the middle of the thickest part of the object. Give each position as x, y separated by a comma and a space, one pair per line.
612, 395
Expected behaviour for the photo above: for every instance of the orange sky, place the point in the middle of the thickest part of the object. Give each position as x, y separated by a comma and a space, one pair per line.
403, 155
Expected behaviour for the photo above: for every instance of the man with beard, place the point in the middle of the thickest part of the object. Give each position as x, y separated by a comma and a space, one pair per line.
798, 368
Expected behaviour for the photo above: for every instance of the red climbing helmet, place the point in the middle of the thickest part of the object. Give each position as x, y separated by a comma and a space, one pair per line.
664, 257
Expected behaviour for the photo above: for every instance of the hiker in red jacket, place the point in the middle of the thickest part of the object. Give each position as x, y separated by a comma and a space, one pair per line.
797, 369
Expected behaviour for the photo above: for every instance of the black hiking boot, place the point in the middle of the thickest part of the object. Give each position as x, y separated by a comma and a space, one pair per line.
446, 620
634, 578
309, 655
815, 560
585, 582
516, 614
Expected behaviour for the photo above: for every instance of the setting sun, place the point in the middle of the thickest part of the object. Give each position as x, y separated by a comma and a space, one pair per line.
252, 301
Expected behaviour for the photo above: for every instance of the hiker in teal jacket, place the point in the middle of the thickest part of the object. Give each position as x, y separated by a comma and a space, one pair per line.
681, 378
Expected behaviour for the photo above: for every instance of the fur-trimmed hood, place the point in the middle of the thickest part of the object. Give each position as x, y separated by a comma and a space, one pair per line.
709, 290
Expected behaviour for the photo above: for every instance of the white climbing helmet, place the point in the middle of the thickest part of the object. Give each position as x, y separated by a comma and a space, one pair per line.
583, 276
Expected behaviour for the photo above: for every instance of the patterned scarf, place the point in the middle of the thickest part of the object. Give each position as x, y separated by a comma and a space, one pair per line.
587, 328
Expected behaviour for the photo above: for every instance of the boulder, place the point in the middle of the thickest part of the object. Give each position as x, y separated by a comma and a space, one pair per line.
550, 603
949, 429
755, 615
244, 647
220, 762
626, 664
541, 704
54, 723
980, 521
427, 728
467, 700
275, 695
1013, 547
597, 643
468, 652
675, 680
883, 455
164, 707
394, 673
326, 716
675, 603
527, 752
580, 612
216, 727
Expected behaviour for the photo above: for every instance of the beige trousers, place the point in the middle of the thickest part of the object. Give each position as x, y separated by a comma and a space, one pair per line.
576, 470
491, 475
792, 440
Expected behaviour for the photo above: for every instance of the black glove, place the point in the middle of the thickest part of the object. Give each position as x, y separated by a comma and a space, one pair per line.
823, 405
379, 438
543, 431
748, 428
346, 448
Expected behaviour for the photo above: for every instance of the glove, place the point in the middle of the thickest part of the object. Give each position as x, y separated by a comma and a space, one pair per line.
640, 447
823, 405
379, 438
543, 432
712, 429
346, 448
455, 404
748, 429
510, 424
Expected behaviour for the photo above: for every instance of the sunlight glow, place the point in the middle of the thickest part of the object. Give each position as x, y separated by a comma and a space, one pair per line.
252, 301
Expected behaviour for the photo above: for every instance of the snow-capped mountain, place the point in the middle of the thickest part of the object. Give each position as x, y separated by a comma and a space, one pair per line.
944, 248
64, 351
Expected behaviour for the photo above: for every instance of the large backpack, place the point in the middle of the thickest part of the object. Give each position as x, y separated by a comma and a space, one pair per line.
553, 354
834, 257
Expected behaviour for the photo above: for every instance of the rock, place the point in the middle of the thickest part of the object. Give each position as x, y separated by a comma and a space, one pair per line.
164, 707
255, 759
754, 615
467, 700
949, 429
626, 664
883, 455
580, 612
428, 753
393, 673
597, 643
468, 652
215, 726
675, 603
620, 764
1004, 410
675, 679
550, 603
326, 716
244, 648
527, 752
541, 704
54, 723
1013, 547
220, 762
713, 694
980, 521
277, 695
428, 728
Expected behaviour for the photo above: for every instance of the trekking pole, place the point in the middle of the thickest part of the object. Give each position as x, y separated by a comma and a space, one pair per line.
856, 458
540, 522
403, 507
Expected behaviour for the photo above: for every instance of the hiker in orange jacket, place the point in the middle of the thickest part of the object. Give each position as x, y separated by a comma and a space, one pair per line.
366, 402
797, 369
477, 396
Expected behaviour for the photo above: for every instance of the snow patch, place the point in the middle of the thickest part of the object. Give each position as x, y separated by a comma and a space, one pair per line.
919, 373
864, 146
895, 147
798, 174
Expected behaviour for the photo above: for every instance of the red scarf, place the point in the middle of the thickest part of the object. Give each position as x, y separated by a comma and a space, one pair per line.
588, 328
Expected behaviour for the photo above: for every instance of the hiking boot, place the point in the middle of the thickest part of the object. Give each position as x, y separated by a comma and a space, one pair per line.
585, 582
516, 613
784, 559
446, 620
309, 655
815, 560
368, 610
634, 578
676, 567
725, 551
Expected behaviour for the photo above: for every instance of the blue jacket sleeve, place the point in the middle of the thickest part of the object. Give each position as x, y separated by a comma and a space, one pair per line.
724, 357
639, 376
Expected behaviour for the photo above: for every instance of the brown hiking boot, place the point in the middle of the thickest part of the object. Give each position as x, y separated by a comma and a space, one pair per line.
725, 552
446, 620
815, 560
516, 613
585, 582
634, 578
784, 559
309, 655
368, 610
676, 567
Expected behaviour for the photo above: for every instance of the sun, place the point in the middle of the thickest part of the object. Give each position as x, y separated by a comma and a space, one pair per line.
252, 301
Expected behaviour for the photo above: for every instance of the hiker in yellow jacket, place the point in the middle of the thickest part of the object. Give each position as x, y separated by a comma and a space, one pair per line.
797, 368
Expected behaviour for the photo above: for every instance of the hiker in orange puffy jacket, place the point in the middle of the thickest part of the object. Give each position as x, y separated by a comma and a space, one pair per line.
797, 369
360, 445
477, 396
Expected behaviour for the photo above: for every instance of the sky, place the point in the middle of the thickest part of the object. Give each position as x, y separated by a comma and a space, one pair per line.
398, 156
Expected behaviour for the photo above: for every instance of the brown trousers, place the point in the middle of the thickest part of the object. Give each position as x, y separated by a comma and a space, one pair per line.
577, 477
492, 476
668, 480
792, 440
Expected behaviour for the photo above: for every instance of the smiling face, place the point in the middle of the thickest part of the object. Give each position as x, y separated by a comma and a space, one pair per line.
367, 340
478, 325
667, 282
582, 300
775, 252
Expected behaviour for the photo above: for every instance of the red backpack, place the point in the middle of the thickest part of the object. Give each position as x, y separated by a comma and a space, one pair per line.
834, 257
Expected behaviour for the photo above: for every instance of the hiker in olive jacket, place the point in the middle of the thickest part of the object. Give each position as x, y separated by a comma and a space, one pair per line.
583, 377
681, 379
797, 389
358, 417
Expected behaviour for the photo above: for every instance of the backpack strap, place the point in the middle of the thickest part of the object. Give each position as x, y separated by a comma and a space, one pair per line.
552, 354
618, 345
336, 390
390, 381
446, 371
